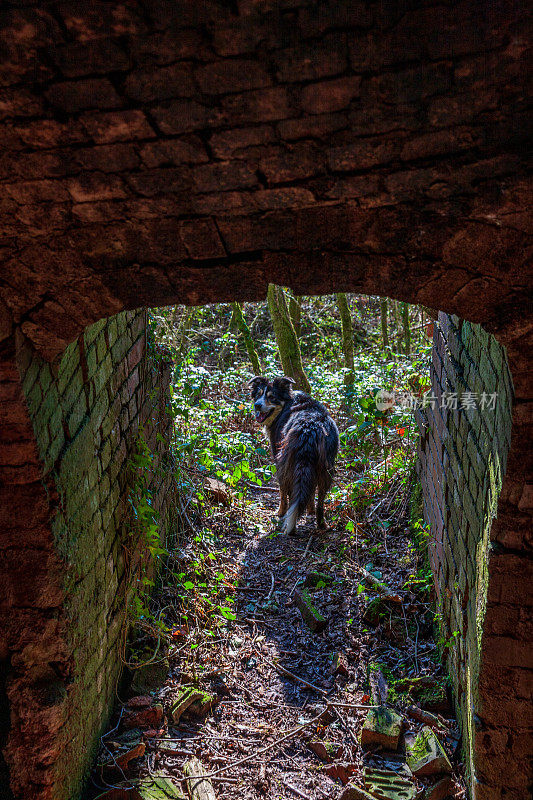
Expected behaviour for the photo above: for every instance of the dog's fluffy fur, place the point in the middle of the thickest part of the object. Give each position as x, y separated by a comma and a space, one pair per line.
304, 441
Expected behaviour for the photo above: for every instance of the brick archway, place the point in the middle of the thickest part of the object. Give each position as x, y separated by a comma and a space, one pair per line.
162, 152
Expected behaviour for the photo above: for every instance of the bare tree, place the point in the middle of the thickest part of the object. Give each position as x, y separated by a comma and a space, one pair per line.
240, 322
383, 310
288, 345
404, 310
347, 343
295, 311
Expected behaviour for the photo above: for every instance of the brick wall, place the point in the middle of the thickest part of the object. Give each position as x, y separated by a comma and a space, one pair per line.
194, 151
463, 455
85, 411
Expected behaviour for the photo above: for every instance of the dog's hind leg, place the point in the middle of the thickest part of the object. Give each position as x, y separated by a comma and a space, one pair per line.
311, 505
283, 503
320, 509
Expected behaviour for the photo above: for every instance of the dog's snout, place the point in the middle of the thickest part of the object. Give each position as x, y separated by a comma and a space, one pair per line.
258, 404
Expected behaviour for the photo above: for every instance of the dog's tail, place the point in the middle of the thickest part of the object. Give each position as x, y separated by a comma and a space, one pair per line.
303, 456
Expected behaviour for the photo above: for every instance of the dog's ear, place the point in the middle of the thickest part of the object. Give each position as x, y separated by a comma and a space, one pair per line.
283, 384
256, 382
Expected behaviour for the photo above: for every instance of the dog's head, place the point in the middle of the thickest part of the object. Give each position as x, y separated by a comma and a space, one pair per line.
269, 397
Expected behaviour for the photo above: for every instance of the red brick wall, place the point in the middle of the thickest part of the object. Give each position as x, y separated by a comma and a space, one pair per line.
483, 571
64, 569
190, 152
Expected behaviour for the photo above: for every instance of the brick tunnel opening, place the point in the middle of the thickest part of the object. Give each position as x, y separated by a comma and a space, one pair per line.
104, 386
465, 361
174, 325
158, 153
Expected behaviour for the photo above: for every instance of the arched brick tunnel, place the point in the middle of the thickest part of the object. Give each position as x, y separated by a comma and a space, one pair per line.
160, 152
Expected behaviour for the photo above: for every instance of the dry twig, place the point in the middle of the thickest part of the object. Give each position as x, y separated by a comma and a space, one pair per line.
268, 747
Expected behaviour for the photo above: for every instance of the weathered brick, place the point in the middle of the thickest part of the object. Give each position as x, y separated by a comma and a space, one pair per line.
362, 186
91, 186
223, 176
510, 578
20, 102
201, 238
159, 181
229, 143
182, 116
441, 143
107, 158
297, 163
37, 191
312, 127
264, 200
189, 150
77, 59
163, 47
411, 85
162, 83
314, 20
234, 39
73, 96
117, 126
231, 76
363, 154
328, 96
311, 61
263, 105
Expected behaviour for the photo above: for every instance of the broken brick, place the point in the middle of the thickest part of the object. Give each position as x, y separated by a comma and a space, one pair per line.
340, 771
203, 704
144, 717
383, 726
388, 785
326, 751
426, 755
311, 616
187, 696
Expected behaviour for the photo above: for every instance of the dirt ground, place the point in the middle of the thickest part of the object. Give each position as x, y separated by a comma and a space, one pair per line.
289, 704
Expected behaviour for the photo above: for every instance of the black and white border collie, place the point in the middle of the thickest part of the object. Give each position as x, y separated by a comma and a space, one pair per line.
304, 441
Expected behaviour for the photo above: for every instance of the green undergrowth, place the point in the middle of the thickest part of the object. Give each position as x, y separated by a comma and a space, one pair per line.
215, 430
216, 437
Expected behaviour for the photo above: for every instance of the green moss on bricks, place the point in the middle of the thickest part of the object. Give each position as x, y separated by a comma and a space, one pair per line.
87, 467
476, 443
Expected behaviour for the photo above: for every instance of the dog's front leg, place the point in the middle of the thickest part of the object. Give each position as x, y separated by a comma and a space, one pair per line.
311, 506
283, 504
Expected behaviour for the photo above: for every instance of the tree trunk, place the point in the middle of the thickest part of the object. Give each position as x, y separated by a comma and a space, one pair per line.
186, 322
383, 314
288, 346
397, 337
295, 311
406, 328
347, 343
242, 325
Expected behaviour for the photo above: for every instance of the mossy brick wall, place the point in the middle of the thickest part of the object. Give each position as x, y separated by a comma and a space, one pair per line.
86, 412
465, 439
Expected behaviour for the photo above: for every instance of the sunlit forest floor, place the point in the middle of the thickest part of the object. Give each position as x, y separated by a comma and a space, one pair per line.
281, 706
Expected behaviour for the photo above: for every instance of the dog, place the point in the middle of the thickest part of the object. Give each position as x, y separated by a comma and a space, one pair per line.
304, 441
